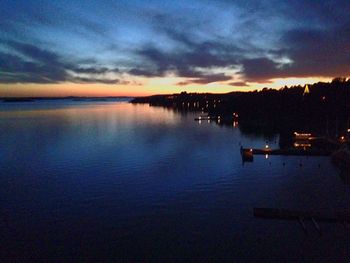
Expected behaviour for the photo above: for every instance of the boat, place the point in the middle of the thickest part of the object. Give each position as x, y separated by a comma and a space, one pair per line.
247, 155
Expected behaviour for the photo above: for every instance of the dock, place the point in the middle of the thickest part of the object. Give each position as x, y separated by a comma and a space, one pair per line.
291, 151
300, 216
285, 214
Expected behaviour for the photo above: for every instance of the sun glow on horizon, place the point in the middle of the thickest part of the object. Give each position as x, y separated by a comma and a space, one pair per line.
144, 87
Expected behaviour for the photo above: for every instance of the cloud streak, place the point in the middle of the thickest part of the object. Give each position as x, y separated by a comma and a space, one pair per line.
30, 64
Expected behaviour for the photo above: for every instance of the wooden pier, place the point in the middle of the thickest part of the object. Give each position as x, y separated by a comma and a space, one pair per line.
291, 151
285, 214
300, 216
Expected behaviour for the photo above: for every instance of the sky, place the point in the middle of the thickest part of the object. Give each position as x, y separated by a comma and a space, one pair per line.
140, 47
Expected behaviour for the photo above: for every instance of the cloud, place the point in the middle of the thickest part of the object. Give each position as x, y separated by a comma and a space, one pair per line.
144, 72
238, 84
30, 64
94, 70
312, 52
185, 63
319, 52
34, 52
15, 69
206, 79
259, 69
94, 80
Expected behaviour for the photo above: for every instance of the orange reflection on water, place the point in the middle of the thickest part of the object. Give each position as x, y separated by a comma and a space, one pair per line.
131, 112
302, 144
103, 122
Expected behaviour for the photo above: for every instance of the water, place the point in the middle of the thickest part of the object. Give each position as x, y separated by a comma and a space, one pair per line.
115, 182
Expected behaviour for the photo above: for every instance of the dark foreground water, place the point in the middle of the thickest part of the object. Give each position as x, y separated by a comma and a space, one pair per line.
115, 182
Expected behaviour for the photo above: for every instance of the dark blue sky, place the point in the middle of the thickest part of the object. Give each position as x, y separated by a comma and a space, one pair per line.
179, 44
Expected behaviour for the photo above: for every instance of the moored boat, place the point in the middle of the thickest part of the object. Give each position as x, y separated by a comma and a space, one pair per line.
247, 154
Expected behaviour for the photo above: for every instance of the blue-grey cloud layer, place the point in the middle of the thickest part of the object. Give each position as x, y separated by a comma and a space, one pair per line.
202, 41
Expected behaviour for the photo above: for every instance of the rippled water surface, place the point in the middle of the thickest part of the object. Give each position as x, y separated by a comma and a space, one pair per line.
116, 182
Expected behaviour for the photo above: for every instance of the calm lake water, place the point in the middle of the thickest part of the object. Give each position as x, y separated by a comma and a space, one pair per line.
116, 182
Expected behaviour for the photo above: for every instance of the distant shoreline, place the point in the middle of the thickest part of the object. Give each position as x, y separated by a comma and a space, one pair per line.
321, 108
73, 98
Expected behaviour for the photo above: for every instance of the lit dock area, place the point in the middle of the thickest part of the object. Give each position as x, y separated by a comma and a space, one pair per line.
204, 118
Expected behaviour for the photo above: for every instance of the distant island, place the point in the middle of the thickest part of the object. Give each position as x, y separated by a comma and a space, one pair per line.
323, 108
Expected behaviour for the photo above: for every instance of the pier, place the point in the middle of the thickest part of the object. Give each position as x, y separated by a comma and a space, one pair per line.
285, 214
301, 216
291, 151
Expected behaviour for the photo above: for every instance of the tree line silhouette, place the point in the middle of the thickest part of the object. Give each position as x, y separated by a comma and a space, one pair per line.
324, 110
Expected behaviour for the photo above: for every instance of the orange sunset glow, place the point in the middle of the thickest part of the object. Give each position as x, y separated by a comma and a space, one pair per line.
144, 87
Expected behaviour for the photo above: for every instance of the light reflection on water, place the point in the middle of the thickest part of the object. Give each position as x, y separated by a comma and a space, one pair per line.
110, 180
